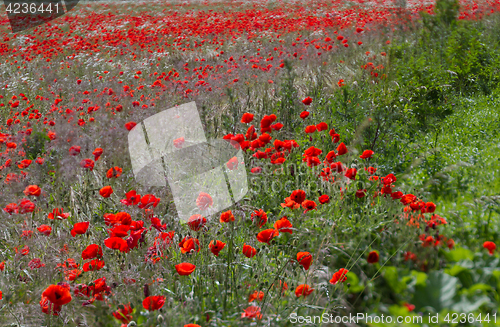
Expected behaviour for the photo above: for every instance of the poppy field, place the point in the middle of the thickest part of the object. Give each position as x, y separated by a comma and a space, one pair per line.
369, 132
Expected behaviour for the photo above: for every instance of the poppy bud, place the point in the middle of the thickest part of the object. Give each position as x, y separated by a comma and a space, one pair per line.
160, 318
132, 324
146, 290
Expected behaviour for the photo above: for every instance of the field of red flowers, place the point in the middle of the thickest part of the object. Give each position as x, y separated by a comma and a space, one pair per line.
326, 227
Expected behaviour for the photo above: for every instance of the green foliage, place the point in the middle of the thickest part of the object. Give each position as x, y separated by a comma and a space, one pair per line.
35, 144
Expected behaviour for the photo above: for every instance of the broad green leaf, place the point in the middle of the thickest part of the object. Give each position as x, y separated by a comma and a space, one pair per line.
459, 254
391, 277
437, 293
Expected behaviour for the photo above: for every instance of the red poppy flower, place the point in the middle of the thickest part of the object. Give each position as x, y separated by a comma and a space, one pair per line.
232, 164
304, 259
251, 135
185, 268
24, 251
408, 198
189, 244
257, 295
361, 193
308, 205
351, 173
152, 303
289, 203
339, 276
132, 198
193, 325
373, 257
45, 229
97, 153
259, 217
303, 290
48, 307
249, 251
74, 150
148, 200
389, 179
307, 101
277, 126
33, 190
283, 226
266, 122
116, 243
490, 246
312, 152
265, 138
410, 256
11, 208
25, 163
310, 129
93, 265
430, 207
25, 206
246, 118
58, 214
341, 149
119, 231
366, 154
123, 314
114, 172
216, 247
304, 114
298, 196
267, 235
251, 312
57, 294
335, 138
324, 199
226, 217
409, 306
283, 286
80, 228
397, 195
387, 189
322, 126
106, 191
179, 142
130, 125
119, 218
92, 251
196, 222
2, 266
87, 163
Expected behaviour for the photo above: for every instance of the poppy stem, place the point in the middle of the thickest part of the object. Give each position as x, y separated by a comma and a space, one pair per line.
12, 313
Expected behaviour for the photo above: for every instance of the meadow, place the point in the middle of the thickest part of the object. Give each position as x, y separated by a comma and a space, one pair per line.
369, 132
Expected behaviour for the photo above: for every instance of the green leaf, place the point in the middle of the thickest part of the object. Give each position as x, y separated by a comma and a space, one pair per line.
455, 270
391, 277
479, 287
459, 254
420, 277
469, 305
437, 293
353, 280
